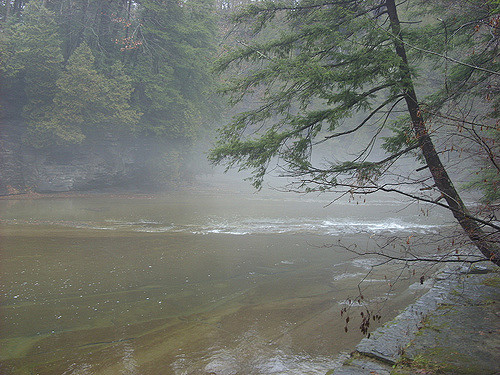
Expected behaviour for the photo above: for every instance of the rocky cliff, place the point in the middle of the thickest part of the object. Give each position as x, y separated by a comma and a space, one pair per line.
96, 164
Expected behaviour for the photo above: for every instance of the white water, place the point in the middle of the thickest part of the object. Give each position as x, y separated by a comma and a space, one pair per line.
242, 226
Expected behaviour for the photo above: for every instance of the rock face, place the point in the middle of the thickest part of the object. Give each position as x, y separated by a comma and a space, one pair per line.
11, 163
102, 163
105, 163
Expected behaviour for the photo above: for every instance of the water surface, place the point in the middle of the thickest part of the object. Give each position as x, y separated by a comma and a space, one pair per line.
193, 283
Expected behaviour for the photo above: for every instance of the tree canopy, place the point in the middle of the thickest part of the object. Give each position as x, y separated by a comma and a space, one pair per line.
120, 67
338, 68
86, 103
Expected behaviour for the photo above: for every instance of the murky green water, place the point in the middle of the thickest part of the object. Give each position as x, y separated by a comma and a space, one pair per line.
189, 283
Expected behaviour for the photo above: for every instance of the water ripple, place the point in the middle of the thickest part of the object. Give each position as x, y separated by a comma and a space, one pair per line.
247, 226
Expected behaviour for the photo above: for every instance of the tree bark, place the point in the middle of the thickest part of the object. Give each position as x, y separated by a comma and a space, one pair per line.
443, 182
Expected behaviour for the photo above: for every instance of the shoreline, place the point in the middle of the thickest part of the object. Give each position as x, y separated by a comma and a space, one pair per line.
438, 334
73, 194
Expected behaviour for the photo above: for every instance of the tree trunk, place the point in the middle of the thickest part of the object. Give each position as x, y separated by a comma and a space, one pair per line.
83, 24
443, 182
129, 6
7, 11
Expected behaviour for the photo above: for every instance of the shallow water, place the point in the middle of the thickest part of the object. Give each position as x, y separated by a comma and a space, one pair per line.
192, 283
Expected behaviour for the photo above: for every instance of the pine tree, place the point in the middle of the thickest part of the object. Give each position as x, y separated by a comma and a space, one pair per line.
332, 61
87, 103
34, 58
171, 67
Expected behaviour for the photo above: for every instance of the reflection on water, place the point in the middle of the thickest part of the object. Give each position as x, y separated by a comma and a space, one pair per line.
252, 354
188, 284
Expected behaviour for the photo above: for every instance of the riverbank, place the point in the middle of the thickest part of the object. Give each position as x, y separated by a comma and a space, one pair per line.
453, 329
76, 194
201, 185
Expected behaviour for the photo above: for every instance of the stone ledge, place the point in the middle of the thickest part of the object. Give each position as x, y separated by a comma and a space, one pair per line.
385, 347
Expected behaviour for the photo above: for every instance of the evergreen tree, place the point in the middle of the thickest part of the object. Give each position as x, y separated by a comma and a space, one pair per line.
171, 67
97, 22
87, 103
331, 61
164, 46
33, 58
73, 70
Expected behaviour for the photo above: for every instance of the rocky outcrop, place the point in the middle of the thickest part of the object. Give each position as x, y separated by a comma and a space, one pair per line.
451, 330
96, 164
11, 162
101, 164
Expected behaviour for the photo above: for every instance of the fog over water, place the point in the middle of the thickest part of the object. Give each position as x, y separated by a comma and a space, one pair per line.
125, 251
212, 280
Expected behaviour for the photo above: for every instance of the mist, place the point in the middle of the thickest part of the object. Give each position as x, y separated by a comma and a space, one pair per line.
183, 191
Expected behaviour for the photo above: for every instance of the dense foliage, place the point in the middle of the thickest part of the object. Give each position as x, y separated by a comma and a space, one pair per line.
421, 78
74, 71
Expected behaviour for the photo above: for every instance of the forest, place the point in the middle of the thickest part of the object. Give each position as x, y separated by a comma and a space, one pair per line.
318, 91
76, 72
361, 145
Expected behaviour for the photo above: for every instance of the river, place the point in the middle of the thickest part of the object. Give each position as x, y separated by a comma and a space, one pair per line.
194, 283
